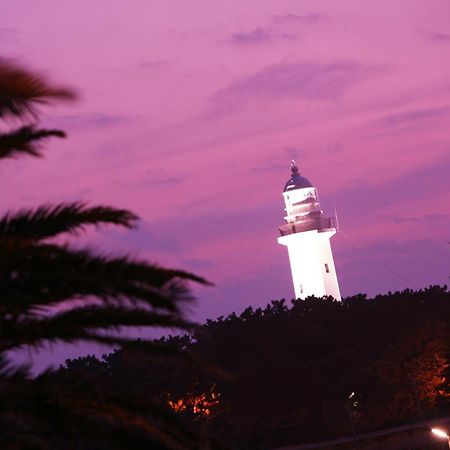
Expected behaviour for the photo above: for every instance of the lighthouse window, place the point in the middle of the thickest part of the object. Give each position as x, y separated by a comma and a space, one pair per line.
327, 269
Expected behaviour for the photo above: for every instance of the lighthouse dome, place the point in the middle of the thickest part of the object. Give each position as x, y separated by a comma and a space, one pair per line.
296, 181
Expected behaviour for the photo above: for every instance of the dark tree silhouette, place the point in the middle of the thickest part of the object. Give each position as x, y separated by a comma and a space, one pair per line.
39, 280
295, 368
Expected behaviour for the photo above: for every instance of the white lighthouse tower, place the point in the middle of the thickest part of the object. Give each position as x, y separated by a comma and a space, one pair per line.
307, 235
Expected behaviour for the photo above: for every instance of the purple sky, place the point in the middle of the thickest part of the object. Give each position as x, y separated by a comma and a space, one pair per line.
189, 114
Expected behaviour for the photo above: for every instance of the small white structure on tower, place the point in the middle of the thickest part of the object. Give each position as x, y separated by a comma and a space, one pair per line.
307, 236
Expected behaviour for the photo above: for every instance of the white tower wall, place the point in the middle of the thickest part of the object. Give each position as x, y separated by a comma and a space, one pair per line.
328, 269
306, 235
312, 265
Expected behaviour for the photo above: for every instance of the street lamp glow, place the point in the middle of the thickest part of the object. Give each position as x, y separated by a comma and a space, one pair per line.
440, 433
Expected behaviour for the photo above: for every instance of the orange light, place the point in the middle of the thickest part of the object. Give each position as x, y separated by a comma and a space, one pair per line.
201, 405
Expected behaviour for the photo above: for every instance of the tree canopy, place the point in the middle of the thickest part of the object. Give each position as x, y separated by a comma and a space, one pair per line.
314, 370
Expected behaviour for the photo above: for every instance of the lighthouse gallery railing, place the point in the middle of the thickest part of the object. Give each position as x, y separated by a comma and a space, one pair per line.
320, 224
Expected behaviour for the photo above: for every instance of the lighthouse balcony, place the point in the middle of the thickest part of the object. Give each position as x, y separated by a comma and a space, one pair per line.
319, 224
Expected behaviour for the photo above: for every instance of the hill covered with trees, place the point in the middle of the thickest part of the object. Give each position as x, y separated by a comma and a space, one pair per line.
286, 374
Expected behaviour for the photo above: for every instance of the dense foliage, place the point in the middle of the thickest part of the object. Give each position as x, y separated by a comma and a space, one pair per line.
294, 369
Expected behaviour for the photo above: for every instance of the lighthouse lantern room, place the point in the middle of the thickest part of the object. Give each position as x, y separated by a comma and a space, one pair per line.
306, 234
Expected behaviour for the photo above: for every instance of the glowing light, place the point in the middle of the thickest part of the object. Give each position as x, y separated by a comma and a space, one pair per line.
440, 433
351, 395
200, 405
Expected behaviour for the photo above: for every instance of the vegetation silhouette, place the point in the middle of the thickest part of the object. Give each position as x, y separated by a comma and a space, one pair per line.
52, 292
316, 370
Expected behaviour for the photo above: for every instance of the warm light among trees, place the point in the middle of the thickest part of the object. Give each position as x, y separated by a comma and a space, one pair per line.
201, 405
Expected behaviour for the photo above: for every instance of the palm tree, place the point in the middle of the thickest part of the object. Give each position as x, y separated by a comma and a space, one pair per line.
53, 292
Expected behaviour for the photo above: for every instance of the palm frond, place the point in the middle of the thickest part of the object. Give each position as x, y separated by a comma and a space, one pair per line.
11, 372
25, 141
32, 276
49, 221
21, 90
51, 292
95, 323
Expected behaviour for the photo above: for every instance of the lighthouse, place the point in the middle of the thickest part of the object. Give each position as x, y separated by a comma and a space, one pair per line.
306, 234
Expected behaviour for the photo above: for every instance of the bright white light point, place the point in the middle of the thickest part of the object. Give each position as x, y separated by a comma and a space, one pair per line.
440, 433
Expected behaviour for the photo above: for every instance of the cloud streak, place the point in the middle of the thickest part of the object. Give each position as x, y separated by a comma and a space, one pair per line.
298, 19
89, 120
286, 26
389, 194
436, 36
257, 35
160, 179
412, 116
157, 64
301, 80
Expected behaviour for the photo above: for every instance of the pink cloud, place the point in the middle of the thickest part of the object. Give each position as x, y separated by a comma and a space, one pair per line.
436, 36
304, 80
298, 19
256, 35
